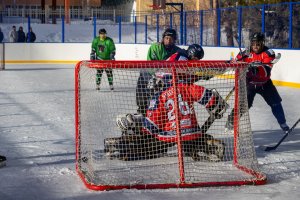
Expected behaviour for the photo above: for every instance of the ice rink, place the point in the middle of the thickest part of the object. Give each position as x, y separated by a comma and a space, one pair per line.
38, 138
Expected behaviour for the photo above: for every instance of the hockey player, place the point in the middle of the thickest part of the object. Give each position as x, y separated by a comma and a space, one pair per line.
157, 51
194, 52
258, 78
147, 137
103, 48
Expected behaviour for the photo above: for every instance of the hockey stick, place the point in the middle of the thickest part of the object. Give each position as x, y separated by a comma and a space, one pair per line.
270, 148
210, 120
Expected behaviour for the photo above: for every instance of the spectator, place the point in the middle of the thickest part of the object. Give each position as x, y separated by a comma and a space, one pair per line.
13, 35
1, 35
21, 35
30, 37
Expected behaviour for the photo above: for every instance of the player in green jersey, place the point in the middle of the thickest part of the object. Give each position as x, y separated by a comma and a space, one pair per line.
103, 48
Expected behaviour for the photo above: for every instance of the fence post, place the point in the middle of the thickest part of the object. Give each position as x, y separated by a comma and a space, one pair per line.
239, 26
120, 28
95, 26
157, 27
201, 27
171, 20
218, 27
135, 30
29, 35
263, 18
291, 25
62, 29
146, 29
181, 26
185, 25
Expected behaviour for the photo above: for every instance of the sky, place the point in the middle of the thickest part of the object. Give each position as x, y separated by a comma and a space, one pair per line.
37, 136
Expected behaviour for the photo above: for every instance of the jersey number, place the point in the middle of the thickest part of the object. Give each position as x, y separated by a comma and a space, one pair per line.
183, 107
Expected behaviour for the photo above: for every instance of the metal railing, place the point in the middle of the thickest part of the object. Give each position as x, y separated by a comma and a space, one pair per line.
224, 27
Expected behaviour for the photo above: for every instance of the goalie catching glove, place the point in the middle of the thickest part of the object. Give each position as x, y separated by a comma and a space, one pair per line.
127, 122
219, 107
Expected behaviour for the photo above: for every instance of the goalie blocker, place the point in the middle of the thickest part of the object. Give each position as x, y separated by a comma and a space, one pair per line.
148, 137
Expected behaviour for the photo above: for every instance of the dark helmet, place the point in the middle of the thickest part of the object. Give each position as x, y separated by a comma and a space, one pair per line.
102, 31
258, 36
195, 50
170, 32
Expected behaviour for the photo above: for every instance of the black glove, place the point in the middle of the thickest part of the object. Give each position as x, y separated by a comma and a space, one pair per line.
112, 56
244, 54
254, 67
92, 56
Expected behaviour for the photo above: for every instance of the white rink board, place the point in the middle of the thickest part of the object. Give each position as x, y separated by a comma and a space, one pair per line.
286, 69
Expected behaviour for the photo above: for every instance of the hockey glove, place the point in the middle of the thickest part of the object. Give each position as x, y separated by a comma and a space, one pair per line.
112, 55
245, 54
93, 56
127, 122
254, 67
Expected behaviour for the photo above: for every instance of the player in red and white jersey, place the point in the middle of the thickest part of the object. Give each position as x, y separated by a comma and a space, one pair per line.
160, 123
259, 78
160, 118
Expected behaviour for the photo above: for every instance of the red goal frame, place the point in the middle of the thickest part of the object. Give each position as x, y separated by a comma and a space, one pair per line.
259, 179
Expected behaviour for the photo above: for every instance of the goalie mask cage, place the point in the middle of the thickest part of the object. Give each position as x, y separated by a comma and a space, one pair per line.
95, 120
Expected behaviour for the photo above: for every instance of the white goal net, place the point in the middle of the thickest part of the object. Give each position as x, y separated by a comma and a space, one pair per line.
175, 142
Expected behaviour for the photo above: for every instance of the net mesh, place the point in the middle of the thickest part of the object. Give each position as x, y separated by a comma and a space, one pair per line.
159, 162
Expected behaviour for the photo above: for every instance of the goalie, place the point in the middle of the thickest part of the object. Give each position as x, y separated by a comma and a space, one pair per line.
149, 136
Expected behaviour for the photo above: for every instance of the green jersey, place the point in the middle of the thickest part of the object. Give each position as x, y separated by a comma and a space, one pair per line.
157, 51
104, 49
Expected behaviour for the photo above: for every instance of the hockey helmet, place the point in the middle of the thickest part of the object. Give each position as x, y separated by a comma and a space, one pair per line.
195, 50
170, 32
257, 36
102, 31
155, 85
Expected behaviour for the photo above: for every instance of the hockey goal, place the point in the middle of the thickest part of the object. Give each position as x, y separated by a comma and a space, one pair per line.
174, 166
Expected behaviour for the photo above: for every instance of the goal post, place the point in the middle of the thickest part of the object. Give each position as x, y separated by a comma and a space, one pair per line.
159, 159
2, 56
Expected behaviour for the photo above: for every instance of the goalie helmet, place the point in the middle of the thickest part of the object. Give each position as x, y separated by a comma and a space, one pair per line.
155, 85
195, 51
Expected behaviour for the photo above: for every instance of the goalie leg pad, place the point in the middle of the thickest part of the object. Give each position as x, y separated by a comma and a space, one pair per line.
219, 108
134, 147
209, 149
